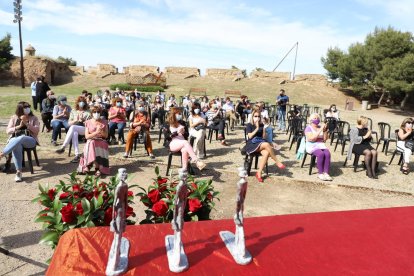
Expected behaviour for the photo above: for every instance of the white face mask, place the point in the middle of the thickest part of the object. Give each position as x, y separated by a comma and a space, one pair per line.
82, 104
178, 117
141, 109
214, 106
409, 125
26, 111
256, 119
196, 111
63, 102
96, 116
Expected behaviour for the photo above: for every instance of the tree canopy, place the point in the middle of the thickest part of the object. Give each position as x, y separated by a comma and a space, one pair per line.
68, 61
383, 63
5, 52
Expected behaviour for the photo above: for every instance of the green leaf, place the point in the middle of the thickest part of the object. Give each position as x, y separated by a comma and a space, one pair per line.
100, 200
45, 219
94, 202
157, 170
90, 224
49, 237
86, 206
42, 190
80, 219
194, 218
57, 204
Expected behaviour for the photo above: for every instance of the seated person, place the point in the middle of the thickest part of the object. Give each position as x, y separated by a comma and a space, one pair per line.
47, 109
79, 115
230, 110
61, 113
157, 111
131, 101
405, 133
171, 102
316, 135
332, 113
360, 143
140, 122
117, 117
23, 129
216, 121
95, 151
179, 143
256, 142
197, 129
204, 103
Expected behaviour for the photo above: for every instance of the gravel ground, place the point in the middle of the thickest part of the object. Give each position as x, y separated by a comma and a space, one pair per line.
289, 192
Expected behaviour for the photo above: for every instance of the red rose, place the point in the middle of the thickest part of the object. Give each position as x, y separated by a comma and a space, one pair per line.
194, 186
154, 195
162, 187
162, 180
79, 208
89, 195
108, 216
209, 196
76, 188
45, 214
129, 211
96, 192
64, 195
68, 214
51, 194
160, 208
194, 204
130, 193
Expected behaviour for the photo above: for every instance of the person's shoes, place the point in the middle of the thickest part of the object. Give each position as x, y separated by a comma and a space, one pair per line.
375, 176
76, 159
224, 143
49, 130
125, 155
61, 150
54, 143
322, 177
327, 177
280, 166
259, 178
151, 156
200, 165
18, 177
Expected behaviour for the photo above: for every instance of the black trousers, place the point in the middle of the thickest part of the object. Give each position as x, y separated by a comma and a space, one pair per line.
220, 127
34, 98
47, 118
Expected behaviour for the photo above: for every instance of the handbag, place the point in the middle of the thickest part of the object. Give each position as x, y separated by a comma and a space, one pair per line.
409, 144
198, 127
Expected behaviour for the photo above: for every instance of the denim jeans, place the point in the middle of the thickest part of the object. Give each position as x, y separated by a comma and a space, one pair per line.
120, 126
16, 145
281, 115
57, 127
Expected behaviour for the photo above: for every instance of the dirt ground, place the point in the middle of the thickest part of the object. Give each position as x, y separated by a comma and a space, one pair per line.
284, 192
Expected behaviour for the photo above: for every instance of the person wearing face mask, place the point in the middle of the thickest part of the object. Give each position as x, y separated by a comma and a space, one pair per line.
23, 129
205, 105
171, 102
140, 121
256, 142
228, 107
216, 121
178, 141
334, 114
316, 134
197, 129
77, 120
61, 113
41, 90
95, 152
130, 104
281, 102
405, 143
117, 117
360, 143
157, 111
47, 109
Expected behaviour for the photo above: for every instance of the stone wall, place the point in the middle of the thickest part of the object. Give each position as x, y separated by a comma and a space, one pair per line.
224, 73
181, 72
310, 77
104, 70
141, 70
77, 69
271, 75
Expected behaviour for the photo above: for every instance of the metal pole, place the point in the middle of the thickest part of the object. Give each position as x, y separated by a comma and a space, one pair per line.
295, 45
21, 55
296, 56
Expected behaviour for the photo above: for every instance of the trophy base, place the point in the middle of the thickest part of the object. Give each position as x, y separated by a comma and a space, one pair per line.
229, 240
122, 266
173, 266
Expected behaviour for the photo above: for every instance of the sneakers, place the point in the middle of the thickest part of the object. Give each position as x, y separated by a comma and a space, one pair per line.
76, 159
321, 177
54, 143
125, 155
61, 150
151, 156
18, 177
327, 177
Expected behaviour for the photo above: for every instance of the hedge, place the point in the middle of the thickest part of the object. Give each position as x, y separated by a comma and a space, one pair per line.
128, 87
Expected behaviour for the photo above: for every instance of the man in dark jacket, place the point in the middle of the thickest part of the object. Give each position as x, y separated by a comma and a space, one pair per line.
41, 89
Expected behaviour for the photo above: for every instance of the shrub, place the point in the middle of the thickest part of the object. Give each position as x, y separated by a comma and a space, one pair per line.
128, 87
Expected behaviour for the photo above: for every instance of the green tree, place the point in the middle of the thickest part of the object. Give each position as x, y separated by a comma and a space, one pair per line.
382, 64
68, 61
5, 52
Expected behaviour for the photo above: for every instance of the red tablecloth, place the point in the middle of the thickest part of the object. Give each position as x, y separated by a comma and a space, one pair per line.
366, 242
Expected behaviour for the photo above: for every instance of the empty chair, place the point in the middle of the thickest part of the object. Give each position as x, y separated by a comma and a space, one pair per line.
343, 129
385, 136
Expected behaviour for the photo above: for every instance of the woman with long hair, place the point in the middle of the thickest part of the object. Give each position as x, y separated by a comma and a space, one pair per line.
197, 128
178, 143
256, 142
405, 139
23, 129
117, 119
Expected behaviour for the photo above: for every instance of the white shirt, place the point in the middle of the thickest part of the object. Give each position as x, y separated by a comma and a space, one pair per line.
265, 114
33, 87
228, 107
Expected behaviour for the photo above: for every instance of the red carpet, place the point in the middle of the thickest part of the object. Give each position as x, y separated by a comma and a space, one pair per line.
366, 242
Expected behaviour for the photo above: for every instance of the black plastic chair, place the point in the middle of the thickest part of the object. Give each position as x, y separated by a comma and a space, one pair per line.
373, 132
141, 138
248, 161
385, 136
177, 153
29, 157
397, 151
343, 129
298, 126
356, 162
312, 161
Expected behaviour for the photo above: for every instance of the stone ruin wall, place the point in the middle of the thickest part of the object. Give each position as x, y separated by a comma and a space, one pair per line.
181, 72
141, 70
224, 73
80, 70
308, 78
271, 75
104, 70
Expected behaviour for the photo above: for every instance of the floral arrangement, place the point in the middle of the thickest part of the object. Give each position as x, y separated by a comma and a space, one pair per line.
76, 204
158, 199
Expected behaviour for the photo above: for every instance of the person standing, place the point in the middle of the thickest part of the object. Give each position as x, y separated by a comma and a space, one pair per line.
41, 89
33, 88
281, 101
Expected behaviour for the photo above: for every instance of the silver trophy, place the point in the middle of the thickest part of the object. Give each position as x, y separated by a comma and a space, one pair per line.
177, 260
235, 242
118, 255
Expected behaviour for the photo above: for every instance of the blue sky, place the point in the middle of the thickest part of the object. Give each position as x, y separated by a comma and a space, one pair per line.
203, 34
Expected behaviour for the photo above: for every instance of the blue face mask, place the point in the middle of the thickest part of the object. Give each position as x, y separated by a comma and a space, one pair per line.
118, 104
82, 104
